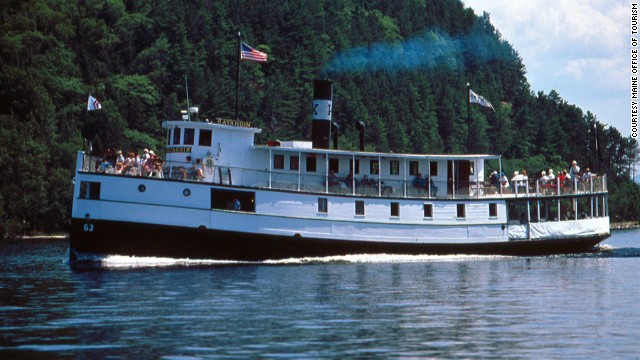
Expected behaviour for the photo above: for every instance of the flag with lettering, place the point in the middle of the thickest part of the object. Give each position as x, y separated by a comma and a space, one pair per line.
249, 53
93, 104
477, 99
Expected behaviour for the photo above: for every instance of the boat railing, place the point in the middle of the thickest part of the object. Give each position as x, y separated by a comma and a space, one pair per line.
368, 185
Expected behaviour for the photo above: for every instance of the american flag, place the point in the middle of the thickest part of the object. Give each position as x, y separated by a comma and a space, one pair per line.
249, 53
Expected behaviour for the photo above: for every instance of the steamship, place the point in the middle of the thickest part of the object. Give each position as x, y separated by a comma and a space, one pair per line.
294, 199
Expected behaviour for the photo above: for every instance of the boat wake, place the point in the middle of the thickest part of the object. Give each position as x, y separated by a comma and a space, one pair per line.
605, 250
88, 261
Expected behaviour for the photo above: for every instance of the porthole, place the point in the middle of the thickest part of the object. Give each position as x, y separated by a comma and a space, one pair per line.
186, 192
142, 188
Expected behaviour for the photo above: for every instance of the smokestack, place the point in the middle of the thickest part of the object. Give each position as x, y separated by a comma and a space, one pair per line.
335, 128
360, 127
321, 118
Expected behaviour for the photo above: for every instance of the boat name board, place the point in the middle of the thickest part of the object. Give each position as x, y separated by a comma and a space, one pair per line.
179, 149
232, 122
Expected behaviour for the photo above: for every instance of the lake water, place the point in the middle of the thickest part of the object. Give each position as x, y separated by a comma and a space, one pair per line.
374, 307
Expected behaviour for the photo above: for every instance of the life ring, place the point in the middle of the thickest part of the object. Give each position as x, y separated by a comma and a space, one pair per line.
208, 163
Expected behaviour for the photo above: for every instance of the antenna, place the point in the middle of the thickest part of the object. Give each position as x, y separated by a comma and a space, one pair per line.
186, 84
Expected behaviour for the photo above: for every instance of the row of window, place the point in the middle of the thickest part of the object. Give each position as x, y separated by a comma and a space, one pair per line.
334, 165
204, 138
323, 207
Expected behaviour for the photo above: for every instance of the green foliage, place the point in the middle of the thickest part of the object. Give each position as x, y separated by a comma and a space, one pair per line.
401, 67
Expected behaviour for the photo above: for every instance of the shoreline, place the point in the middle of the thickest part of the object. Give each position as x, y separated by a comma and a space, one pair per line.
623, 225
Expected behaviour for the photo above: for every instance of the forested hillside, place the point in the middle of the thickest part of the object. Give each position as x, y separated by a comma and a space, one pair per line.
401, 67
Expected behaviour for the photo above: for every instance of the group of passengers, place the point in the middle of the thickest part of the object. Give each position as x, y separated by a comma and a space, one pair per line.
548, 182
190, 170
147, 164
424, 184
364, 183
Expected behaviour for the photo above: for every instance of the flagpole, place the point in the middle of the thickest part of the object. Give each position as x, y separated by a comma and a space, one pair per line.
468, 115
238, 74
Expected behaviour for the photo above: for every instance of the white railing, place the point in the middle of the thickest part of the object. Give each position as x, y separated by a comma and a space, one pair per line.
361, 185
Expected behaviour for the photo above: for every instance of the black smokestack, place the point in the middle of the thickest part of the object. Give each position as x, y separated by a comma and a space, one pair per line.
321, 118
335, 129
360, 127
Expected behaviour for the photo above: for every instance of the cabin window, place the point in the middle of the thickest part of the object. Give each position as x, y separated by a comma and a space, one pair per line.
311, 164
334, 165
394, 167
428, 210
395, 209
374, 167
433, 168
205, 138
223, 199
323, 207
357, 164
176, 136
189, 136
493, 210
294, 163
360, 207
169, 137
460, 212
278, 161
90, 190
413, 168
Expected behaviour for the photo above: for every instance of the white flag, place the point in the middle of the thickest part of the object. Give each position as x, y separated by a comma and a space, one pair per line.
475, 98
93, 104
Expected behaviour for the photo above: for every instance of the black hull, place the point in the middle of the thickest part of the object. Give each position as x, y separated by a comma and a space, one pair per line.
134, 239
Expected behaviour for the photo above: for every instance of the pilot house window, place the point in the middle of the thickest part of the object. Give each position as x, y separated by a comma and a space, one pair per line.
205, 138
189, 136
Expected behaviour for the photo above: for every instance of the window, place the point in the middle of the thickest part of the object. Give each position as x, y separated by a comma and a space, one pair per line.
472, 166
169, 137
322, 205
205, 138
90, 190
294, 163
189, 136
433, 168
395, 209
413, 168
278, 161
493, 210
223, 199
334, 165
394, 167
460, 212
311, 164
374, 167
428, 210
176, 136
359, 207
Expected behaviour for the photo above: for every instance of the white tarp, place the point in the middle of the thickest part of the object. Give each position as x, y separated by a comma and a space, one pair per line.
553, 229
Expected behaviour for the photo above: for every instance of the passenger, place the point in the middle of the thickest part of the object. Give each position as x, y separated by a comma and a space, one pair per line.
419, 182
349, 180
550, 174
119, 162
504, 182
544, 179
198, 171
574, 171
157, 171
517, 181
333, 179
236, 204
494, 179
432, 185
145, 155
